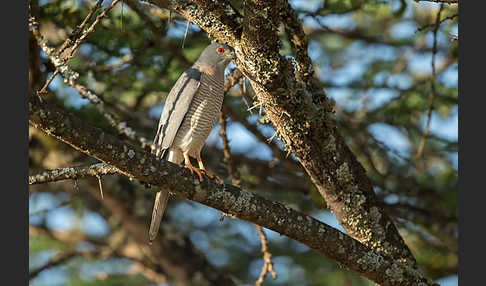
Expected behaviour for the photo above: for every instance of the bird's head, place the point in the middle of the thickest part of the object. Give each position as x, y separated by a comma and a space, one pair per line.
216, 55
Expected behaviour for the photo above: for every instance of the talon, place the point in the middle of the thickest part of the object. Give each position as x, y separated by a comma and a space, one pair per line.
211, 176
207, 174
219, 180
196, 170
203, 170
191, 168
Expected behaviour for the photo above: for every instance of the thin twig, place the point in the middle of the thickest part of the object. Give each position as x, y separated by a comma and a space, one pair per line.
235, 177
70, 40
121, 17
185, 34
254, 106
44, 88
71, 77
158, 34
435, 24
100, 185
432, 86
91, 28
72, 173
267, 258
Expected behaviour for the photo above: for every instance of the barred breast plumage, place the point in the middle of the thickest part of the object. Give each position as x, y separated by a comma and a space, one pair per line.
190, 111
202, 114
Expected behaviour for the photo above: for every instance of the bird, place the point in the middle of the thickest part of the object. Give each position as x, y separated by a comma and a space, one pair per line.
190, 112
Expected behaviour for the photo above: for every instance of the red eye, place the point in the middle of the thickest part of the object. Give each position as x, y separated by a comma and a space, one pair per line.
220, 50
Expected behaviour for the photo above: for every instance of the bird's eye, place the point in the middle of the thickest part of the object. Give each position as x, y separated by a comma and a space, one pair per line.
220, 50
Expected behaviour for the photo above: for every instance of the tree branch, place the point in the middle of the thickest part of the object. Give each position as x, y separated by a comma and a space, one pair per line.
301, 117
432, 87
137, 163
71, 77
72, 173
307, 129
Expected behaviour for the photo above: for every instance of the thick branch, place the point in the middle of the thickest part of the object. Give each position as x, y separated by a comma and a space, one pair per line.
219, 28
137, 163
307, 129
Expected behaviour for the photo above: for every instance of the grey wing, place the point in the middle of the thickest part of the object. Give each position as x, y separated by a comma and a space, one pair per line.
175, 108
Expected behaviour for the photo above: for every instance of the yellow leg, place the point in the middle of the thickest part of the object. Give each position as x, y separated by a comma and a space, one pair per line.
193, 169
203, 170
200, 162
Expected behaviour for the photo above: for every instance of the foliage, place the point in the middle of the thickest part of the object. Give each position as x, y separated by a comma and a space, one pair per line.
372, 57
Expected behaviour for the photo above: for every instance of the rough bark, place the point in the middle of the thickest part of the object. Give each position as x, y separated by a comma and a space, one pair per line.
169, 251
137, 163
302, 116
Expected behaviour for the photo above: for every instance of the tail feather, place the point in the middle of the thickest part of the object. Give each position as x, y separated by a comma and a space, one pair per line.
162, 195
160, 204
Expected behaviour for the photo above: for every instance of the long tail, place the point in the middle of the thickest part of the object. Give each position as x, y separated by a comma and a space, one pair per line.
160, 204
162, 196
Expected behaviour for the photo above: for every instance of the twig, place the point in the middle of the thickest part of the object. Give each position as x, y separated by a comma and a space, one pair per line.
70, 40
44, 88
71, 77
125, 60
158, 34
432, 86
99, 104
299, 44
91, 28
75, 185
276, 151
254, 106
121, 17
435, 24
227, 152
267, 258
72, 173
231, 80
100, 185
234, 76
185, 33
227, 198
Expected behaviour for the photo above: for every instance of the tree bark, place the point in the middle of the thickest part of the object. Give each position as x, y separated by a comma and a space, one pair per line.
301, 114
137, 163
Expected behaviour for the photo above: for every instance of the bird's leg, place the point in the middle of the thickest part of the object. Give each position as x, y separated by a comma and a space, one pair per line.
203, 170
191, 168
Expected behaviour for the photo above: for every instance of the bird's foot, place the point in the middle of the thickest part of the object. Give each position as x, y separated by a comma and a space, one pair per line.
196, 170
211, 176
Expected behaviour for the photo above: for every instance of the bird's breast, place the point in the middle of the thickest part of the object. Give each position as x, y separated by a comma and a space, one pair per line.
202, 114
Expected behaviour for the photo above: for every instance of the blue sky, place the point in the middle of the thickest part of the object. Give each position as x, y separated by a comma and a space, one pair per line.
243, 141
